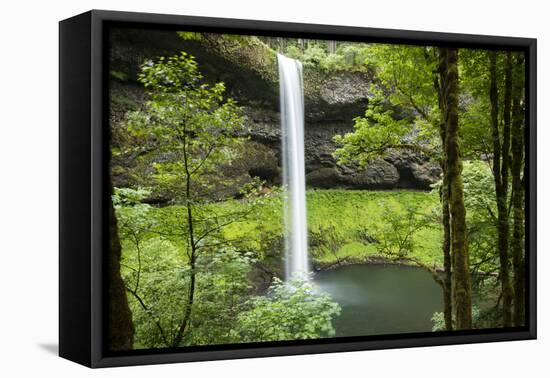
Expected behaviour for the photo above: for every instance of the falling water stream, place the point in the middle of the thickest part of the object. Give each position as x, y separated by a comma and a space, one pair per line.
294, 181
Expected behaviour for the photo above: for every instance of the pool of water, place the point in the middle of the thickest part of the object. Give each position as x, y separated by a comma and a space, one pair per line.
381, 299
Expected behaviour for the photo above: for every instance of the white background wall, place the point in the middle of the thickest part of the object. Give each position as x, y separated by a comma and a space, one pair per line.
29, 174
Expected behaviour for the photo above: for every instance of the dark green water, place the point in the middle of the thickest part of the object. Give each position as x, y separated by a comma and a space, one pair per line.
381, 299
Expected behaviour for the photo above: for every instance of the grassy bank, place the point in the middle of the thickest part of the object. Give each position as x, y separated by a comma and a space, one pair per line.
343, 224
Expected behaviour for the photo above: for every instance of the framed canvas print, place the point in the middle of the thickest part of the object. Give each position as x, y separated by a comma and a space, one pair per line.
234, 188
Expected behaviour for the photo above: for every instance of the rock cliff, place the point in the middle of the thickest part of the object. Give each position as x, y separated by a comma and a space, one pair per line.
332, 101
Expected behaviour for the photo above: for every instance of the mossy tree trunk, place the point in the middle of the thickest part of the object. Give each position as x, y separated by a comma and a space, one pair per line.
517, 243
447, 261
445, 213
448, 71
501, 158
121, 327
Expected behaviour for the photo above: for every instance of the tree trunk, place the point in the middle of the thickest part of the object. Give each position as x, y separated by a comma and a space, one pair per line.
121, 327
447, 262
445, 214
192, 248
448, 70
282, 44
501, 152
517, 244
188, 306
331, 47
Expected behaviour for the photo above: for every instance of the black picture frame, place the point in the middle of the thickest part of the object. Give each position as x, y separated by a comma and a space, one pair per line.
83, 169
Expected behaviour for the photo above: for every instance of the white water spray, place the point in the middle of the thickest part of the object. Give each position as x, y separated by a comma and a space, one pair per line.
294, 178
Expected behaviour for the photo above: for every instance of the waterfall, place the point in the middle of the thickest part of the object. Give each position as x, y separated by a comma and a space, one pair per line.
294, 180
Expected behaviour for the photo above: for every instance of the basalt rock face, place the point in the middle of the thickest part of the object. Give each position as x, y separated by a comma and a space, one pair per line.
332, 101
398, 170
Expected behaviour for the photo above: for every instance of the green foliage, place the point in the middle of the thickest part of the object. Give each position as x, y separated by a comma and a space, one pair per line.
405, 80
156, 274
474, 103
134, 221
480, 203
181, 108
288, 312
397, 234
475, 107
373, 136
159, 277
479, 196
190, 36
157, 283
193, 129
406, 76
438, 320
326, 240
190, 125
344, 221
222, 289
129, 197
333, 62
121, 76
349, 56
314, 56
358, 213
341, 224
294, 52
